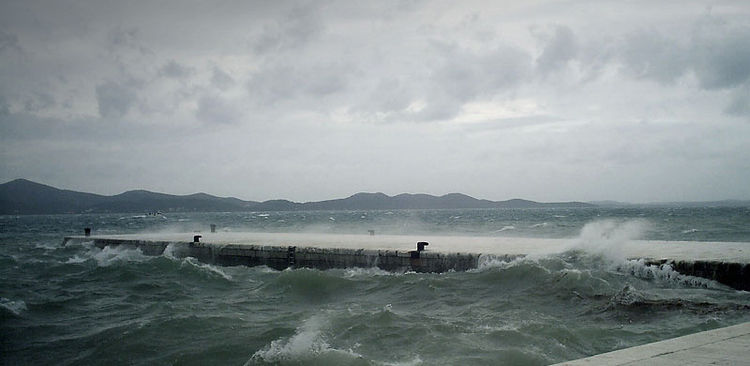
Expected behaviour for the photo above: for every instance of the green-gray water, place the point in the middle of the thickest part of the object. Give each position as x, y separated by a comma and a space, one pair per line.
77, 304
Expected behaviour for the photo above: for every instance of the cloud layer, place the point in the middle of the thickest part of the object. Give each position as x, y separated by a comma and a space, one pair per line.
314, 100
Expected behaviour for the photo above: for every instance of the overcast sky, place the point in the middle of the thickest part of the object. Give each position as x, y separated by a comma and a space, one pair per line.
544, 100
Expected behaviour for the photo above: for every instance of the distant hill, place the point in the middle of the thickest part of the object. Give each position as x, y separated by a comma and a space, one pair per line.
22, 196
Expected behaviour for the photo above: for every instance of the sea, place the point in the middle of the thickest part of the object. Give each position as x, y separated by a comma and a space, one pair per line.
75, 304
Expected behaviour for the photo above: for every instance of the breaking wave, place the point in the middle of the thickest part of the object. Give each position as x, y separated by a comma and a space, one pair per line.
12, 307
308, 345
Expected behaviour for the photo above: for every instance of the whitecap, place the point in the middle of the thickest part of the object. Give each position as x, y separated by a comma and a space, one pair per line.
76, 259
488, 261
47, 246
366, 272
413, 362
16, 307
663, 273
308, 341
211, 269
110, 255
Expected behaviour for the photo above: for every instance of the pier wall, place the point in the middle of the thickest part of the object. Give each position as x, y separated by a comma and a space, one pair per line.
281, 257
734, 274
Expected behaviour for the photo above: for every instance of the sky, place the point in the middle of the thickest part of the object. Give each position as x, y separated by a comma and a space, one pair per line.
637, 101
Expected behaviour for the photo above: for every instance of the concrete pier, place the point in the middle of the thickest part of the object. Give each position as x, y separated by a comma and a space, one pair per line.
724, 262
724, 346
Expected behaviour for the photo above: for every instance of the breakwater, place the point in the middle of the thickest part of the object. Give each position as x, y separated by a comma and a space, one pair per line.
726, 263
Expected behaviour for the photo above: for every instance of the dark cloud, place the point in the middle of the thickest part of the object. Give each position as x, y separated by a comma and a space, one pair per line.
221, 79
650, 55
114, 99
740, 103
722, 60
718, 54
561, 48
123, 37
540, 93
463, 75
174, 70
39, 101
389, 95
4, 106
214, 109
8, 42
300, 25
287, 83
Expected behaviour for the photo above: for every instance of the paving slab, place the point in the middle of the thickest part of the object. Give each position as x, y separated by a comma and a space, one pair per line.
723, 346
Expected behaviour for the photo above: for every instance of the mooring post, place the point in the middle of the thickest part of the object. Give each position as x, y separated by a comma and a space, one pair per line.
87, 231
414, 254
213, 228
196, 238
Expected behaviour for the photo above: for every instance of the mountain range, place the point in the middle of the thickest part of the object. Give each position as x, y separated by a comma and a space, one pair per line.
22, 196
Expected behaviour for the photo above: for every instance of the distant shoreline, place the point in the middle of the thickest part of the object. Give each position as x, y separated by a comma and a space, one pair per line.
24, 197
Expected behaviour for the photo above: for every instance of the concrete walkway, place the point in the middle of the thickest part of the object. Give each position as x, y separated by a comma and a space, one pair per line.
724, 346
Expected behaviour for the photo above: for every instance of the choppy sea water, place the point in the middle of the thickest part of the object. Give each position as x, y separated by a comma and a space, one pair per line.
77, 304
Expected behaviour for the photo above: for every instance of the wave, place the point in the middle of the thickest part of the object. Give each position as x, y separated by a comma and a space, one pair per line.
112, 255
311, 285
608, 237
206, 268
307, 345
591, 267
108, 256
104, 257
76, 259
413, 362
12, 307
663, 273
356, 272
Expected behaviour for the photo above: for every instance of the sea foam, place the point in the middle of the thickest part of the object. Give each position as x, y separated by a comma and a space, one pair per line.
307, 343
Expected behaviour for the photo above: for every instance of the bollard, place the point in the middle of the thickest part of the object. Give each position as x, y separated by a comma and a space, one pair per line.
87, 231
196, 238
414, 254
213, 228
372, 232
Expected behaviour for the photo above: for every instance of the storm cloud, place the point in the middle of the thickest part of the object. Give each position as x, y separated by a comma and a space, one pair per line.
314, 100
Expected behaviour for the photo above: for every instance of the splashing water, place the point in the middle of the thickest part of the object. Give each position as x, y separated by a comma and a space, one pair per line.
608, 237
